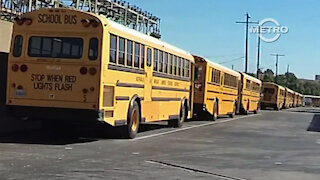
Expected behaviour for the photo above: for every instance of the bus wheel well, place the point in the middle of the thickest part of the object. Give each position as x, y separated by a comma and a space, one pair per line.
138, 100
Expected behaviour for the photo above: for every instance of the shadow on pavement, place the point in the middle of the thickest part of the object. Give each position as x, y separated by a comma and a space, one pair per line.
315, 124
63, 133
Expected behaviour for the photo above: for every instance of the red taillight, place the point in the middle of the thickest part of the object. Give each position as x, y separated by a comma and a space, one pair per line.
15, 67
92, 71
94, 23
83, 70
19, 20
85, 91
85, 22
23, 68
28, 21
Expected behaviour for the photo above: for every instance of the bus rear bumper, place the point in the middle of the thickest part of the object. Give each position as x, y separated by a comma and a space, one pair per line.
45, 113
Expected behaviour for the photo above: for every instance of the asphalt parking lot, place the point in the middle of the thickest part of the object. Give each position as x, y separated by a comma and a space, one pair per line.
269, 145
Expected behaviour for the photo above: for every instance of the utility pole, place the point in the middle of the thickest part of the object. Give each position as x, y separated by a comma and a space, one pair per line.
258, 56
277, 61
287, 76
246, 44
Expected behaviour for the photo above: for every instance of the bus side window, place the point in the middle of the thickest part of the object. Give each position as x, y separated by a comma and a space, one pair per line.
136, 55
93, 49
142, 56
149, 57
188, 68
17, 49
121, 50
179, 66
174, 66
170, 63
129, 53
165, 62
155, 60
182, 67
113, 48
160, 61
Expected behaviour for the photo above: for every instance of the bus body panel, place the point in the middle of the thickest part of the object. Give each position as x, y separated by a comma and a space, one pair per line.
250, 95
48, 73
273, 95
209, 91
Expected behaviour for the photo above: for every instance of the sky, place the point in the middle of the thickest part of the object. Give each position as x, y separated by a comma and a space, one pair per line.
208, 28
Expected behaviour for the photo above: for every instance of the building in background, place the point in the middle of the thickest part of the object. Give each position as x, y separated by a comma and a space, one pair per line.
5, 41
317, 78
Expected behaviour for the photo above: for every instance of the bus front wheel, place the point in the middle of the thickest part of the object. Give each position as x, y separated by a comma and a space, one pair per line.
133, 121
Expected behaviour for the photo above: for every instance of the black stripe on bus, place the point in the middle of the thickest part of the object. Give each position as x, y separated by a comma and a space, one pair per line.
169, 89
156, 74
122, 98
120, 84
227, 100
174, 117
165, 99
125, 69
213, 91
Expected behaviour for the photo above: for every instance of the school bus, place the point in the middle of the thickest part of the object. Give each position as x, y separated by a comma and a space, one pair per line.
216, 89
249, 96
297, 99
273, 96
69, 64
300, 100
289, 97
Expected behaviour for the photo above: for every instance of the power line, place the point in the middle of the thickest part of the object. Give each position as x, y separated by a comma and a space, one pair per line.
232, 60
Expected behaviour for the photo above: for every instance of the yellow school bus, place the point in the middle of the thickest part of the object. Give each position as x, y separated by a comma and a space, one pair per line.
273, 96
249, 96
300, 100
289, 97
216, 89
69, 64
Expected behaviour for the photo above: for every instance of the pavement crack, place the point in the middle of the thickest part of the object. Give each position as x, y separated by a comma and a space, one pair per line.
189, 169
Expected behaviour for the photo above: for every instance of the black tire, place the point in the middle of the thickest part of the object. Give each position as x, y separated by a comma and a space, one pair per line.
215, 111
177, 123
234, 112
255, 112
133, 121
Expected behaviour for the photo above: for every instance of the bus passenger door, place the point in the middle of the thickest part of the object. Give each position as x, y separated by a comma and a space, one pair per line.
150, 109
148, 75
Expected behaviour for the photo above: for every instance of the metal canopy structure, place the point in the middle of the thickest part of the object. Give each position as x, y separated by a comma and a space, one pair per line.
119, 11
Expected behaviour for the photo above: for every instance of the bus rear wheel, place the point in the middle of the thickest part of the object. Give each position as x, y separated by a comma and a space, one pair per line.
177, 123
215, 111
234, 112
133, 121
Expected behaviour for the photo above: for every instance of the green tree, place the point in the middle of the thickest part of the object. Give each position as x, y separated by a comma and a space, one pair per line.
268, 75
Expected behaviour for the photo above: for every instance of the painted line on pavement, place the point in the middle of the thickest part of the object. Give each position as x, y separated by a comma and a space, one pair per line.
192, 127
